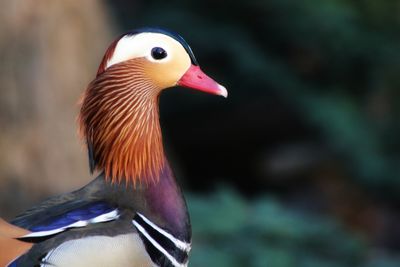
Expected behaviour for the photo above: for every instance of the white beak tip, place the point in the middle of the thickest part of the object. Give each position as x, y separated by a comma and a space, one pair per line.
222, 91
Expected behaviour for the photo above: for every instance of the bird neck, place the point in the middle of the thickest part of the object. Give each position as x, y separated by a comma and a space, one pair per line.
119, 119
164, 200
162, 203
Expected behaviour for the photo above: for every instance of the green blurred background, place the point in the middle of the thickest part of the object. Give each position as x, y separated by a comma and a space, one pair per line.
299, 167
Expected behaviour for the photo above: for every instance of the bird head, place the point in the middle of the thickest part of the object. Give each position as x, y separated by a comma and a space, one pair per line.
119, 114
165, 59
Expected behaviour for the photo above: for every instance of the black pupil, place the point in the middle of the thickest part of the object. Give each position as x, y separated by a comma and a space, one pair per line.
158, 53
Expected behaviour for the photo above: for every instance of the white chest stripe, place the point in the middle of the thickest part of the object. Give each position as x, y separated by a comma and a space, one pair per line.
158, 246
44, 260
178, 243
106, 217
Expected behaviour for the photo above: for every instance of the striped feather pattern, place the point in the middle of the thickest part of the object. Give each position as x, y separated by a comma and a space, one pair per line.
119, 118
164, 249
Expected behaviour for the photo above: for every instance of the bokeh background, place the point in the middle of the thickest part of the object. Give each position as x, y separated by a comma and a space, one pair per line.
299, 167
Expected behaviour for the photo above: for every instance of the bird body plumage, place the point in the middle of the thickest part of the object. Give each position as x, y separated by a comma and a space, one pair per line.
101, 197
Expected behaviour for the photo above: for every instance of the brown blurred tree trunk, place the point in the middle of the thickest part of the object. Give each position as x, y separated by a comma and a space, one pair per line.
49, 51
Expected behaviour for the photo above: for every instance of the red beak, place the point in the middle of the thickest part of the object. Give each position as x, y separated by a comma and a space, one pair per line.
195, 78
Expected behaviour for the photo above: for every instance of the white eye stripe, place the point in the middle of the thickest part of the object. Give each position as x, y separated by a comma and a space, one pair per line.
140, 45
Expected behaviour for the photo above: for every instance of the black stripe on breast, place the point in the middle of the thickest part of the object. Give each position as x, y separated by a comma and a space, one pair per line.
180, 255
35, 239
156, 256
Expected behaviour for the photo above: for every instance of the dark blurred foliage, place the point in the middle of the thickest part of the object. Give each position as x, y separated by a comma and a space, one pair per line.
299, 167
316, 75
311, 120
264, 233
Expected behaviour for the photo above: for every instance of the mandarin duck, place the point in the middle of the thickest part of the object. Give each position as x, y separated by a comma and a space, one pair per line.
133, 213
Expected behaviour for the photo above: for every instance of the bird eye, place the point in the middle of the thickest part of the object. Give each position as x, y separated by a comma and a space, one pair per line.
158, 53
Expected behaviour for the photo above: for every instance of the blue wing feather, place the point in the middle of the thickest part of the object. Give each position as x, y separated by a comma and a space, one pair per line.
83, 213
52, 224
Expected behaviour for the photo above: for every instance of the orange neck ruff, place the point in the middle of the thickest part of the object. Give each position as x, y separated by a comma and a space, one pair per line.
119, 119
